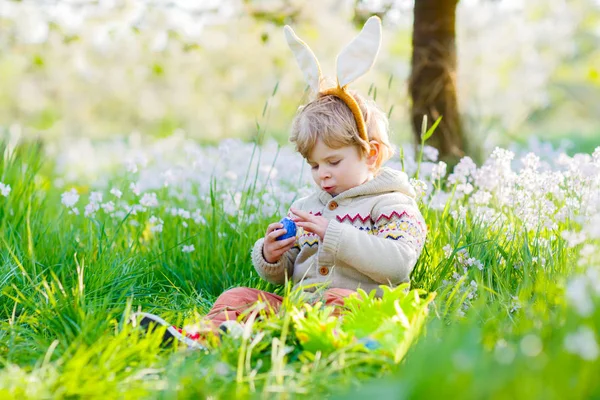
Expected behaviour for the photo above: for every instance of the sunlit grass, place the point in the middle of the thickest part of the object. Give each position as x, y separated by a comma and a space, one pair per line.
495, 306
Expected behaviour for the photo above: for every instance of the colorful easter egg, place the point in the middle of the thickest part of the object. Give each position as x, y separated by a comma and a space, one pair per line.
290, 226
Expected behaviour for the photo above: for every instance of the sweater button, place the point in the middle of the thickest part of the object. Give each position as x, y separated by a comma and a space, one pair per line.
333, 205
323, 270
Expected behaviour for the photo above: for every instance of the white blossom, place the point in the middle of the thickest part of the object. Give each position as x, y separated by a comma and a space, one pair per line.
90, 209
447, 250
4, 189
149, 200
70, 198
116, 192
96, 197
108, 207
135, 188
188, 249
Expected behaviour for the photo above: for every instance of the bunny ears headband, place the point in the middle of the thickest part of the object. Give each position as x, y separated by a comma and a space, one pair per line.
355, 60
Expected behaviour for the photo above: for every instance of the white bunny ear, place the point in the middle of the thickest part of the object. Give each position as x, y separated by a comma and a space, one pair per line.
357, 58
306, 59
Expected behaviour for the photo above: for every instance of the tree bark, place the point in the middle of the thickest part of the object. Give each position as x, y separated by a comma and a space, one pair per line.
432, 82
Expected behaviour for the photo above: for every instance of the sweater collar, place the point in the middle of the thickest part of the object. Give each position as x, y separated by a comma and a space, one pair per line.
387, 180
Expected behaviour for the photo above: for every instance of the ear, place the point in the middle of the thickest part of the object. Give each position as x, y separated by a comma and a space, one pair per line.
307, 61
357, 58
373, 153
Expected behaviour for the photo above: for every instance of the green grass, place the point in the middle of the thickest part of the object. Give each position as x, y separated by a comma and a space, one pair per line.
68, 284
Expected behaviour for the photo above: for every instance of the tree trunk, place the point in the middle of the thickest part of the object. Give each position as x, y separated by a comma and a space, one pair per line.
433, 77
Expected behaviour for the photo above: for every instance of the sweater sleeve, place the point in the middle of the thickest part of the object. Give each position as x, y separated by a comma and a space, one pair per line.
283, 269
389, 252
278, 272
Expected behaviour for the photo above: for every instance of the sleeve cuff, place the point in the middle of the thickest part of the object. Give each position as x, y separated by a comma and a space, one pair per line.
331, 243
264, 268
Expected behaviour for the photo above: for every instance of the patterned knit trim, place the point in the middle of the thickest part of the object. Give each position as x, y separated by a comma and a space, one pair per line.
393, 213
353, 219
310, 243
404, 228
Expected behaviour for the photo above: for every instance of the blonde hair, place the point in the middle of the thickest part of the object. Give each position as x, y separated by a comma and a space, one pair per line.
328, 118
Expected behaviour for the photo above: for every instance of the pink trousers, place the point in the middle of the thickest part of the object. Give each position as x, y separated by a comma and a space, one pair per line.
233, 302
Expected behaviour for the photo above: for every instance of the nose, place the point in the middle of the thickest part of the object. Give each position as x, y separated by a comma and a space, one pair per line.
324, 173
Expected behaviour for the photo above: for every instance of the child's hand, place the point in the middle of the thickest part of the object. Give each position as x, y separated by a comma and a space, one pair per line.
272, 248
312, 223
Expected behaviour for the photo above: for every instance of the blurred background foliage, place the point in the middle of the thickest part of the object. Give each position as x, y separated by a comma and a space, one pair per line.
111, 67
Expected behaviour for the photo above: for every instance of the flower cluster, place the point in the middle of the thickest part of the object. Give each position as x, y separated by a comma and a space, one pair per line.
4, 189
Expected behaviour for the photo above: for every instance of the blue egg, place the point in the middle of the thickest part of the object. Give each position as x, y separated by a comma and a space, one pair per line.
370, 344
290, 226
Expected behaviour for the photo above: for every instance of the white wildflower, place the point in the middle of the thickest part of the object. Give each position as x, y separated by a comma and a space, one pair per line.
515, 304
430, 153
156, 228
531, 161
439, 171
131, 166
157, 224
116, 192
96, 197
462, 171
4, 189
464, 188
108, 207
70, 198
419, 186
91, 209
188, 249
198, 218
439, 200
149, 200
447, 250
135, 188
481, 197
185, 214
461, 214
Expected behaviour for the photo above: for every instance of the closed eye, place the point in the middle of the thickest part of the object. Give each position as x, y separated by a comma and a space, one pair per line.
335, 162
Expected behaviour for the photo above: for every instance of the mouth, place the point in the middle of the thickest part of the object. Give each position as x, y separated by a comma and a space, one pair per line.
328, 189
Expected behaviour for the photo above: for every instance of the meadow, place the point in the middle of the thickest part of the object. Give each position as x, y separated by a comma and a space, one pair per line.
504, 301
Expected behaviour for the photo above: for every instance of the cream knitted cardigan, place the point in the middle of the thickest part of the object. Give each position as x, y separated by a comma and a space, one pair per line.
375, 236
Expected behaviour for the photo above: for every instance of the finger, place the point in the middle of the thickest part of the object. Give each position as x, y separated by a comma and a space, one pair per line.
284, 249
287, 242
309, 226
274, 226
282, 244
303, 216
275, 229
275, 234
300, 213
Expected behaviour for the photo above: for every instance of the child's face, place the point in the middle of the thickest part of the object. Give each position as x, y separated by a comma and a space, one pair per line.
337, 170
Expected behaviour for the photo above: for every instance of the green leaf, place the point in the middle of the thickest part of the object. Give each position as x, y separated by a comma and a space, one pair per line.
430, 131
